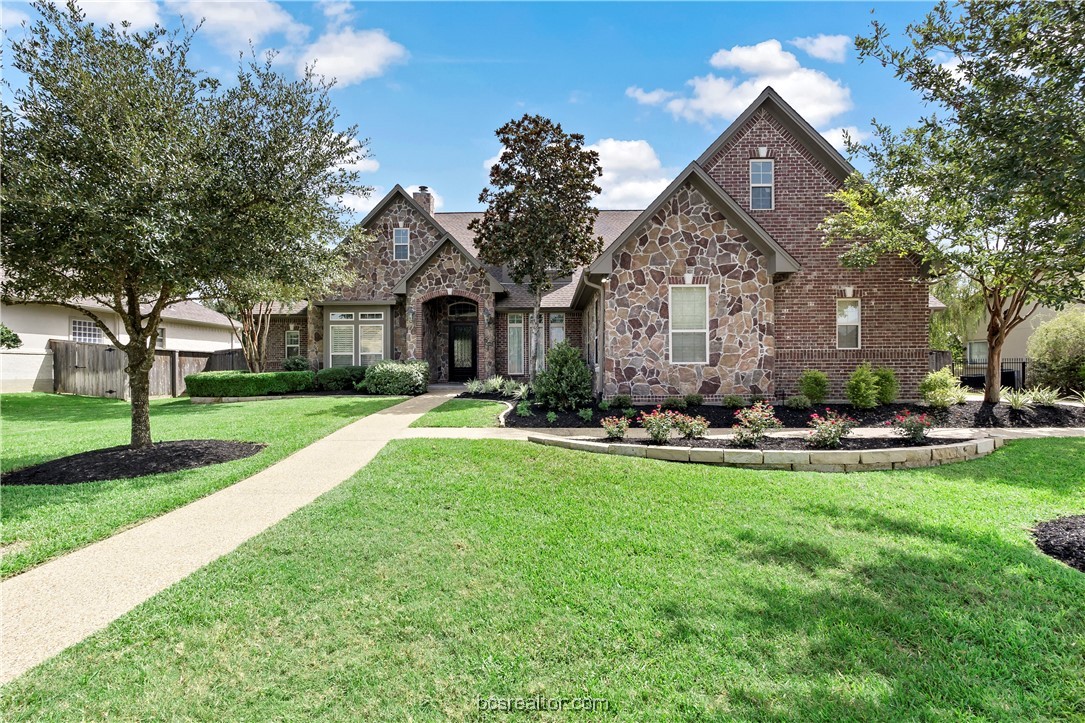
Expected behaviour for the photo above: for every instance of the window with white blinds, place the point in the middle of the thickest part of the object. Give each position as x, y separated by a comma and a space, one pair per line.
341, 344
370, 344
689, 324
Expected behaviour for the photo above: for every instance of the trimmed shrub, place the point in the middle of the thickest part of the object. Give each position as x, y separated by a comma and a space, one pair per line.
694, 400
674, 403
799, 401
658, 424
246, 384
296, 364
862, 387
942, 389
566, 382
1057, 349
396, 378
339, 379
621, 401
690, 427
888, 386
732, 400
814, 385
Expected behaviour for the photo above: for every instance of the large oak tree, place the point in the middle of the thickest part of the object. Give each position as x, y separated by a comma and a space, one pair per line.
539, 219
132, 181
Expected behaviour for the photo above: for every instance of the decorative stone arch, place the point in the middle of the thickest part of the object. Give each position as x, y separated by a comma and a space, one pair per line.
438, 293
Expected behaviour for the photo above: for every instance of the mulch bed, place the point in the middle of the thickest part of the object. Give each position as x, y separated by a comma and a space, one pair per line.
971, 414
124, 462
789, 443
1063, 539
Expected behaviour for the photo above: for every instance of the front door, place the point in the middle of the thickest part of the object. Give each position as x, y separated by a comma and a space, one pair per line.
462, 351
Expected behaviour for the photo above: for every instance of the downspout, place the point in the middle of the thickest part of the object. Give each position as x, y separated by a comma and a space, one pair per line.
600, 329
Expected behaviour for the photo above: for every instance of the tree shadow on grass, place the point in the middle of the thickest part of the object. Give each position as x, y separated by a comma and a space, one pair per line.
938, 623
1053, 463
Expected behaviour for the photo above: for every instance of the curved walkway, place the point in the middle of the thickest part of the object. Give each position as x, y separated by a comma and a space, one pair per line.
50, 607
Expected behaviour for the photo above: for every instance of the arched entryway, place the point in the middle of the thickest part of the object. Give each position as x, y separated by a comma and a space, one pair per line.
452, 338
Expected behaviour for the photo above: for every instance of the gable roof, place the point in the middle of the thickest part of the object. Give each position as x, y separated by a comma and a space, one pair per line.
401, 287
400, 192
771, 101
779, 260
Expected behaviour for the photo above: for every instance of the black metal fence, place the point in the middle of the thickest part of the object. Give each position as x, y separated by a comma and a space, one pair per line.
1014, 373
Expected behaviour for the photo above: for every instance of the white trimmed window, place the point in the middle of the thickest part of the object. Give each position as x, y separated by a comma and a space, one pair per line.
341, 345
371, 316
977, 352
341, 316
848, 324
689, 324
557, 329
86, 331
160, 340
370, 344
293, 343
516, 343
401, 244
762, 183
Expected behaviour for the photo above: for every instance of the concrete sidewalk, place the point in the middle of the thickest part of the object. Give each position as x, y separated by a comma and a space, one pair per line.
58, 604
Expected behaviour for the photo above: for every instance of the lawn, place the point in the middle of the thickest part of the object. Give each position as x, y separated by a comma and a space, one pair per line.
41, 522
448, 571
462, 413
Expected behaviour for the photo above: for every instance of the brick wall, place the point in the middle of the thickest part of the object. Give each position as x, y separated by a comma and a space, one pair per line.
276, 339
573, 334
895, 316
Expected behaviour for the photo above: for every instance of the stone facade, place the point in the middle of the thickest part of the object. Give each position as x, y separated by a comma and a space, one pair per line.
689, 236
894, 309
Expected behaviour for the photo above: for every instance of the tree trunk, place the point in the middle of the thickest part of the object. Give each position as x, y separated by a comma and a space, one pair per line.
993, 385
139, 382
536, 334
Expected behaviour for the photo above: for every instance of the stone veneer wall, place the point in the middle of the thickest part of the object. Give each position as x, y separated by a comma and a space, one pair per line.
449, 269
689, 235
895, 314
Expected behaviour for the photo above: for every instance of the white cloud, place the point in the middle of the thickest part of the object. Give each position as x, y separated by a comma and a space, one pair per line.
815, 95
12, 18
648, 97
833, 48
351, 56
233, 25
336, 9
438, 199
632, 173
363, 204
489, 162
835, 136
140, 13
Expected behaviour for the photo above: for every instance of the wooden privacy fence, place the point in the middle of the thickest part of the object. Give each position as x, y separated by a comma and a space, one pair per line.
97, 370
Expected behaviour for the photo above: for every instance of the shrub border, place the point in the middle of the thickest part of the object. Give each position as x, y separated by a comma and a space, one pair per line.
795, 460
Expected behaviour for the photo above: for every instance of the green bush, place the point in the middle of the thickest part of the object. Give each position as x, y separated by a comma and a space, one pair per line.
1057, 350
732, 400
585, 414
862, 387
396, 378
8, 338
296, 364
694, 400
523, 409
339, 379
566, 381
621, 401
944, 378
888, 386
674, 403
814, 385
799, 401
246, 384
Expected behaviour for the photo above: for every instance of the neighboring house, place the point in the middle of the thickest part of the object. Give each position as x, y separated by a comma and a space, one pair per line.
1016, 344
722, 286
187, 326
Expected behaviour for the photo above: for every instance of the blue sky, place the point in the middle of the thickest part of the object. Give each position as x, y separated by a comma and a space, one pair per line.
649, 85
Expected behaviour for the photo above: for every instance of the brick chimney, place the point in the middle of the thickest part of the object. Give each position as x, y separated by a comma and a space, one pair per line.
424, 198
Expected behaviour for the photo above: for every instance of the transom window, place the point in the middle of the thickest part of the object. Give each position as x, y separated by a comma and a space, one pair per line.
371, 316
848, 324
401, 244
462, 308
762, 180
516, 343
86, 332
293, 344
341, 316
689, 324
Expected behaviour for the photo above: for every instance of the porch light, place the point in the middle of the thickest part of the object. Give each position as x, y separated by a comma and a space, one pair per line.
410, 315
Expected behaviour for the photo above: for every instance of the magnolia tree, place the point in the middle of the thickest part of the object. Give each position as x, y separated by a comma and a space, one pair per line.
131, 181
990, 185
539, 219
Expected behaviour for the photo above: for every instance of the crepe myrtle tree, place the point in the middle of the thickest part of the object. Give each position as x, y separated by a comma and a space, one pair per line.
539, 219
989, 186
131, 181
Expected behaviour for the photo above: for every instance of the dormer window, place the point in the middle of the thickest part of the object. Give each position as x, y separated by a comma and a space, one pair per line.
762, 177
401, 244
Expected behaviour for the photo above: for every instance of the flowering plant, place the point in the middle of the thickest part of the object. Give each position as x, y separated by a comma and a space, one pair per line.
690, 427
753, 423
829, 429
659, 424
914, 427
615, 427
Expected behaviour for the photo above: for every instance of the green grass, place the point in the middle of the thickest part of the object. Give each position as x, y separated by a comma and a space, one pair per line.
43, 521
462, 413
450, 570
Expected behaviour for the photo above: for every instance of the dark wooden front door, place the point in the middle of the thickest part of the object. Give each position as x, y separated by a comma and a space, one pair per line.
462, 351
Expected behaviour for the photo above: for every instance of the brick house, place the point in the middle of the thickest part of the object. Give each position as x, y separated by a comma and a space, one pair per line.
721, 286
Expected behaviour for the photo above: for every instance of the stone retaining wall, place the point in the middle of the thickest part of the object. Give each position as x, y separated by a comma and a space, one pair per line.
796, 460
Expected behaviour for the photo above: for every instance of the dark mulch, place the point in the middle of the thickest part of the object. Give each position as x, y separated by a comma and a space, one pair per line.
124, 462
1063, 539
797, 443
972, 414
